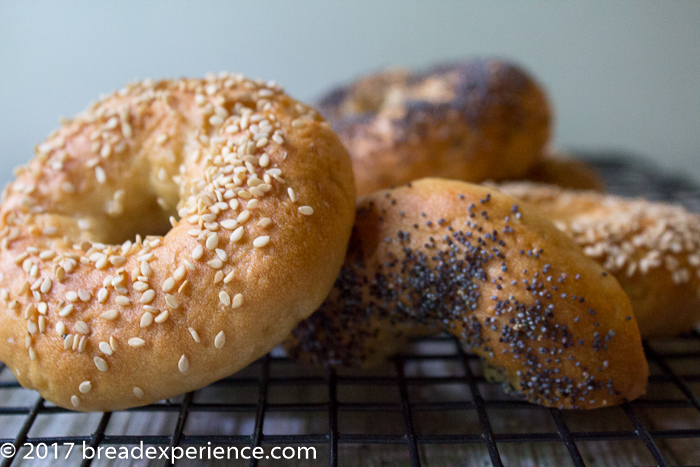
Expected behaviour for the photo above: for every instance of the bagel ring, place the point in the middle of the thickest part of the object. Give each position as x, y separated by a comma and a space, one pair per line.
652, 248
450, 256
260, 195
473, 121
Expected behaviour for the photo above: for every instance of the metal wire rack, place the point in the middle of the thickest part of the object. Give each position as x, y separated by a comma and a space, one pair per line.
430, 405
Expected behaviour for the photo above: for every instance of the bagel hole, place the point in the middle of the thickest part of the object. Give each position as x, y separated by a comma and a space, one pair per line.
153, 221
144, 215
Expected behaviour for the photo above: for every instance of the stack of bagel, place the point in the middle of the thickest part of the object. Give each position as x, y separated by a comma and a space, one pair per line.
408, 271
176, 231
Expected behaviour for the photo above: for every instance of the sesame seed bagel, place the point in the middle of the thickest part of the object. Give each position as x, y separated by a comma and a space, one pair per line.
441, 255
652, 248
241, 201
473, 121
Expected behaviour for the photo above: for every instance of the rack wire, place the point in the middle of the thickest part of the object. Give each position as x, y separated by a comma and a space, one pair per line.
430, 405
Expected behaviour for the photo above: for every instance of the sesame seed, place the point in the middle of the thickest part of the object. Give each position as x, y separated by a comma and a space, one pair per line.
306, 210
171, 301
136, 342
117, 260
292, 195
68, 342
162, 316
84, 295
100, 175
194, 334
148, 296
261, 241
183, 364
47, 254
146, 269
102, 295
212, 241
82, 327
229, 224
179, 273
221, 254
111, 123
66, 310
105, 348
75, 401
146, 319
71, 296
220, 340
218, 277
243, 216
110, 314
100, 363
140, 286
46, 285
20, 258
225, 298
237, 234
264, 222
168, 284
122, 300
216, 263
60, 273
60, 328
229, 277
138, 392
197, 252
85, 387
237, 301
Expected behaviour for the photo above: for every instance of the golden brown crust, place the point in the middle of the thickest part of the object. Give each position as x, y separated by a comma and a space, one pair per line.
653, 249
96, 325
566, 173
450, 256
473, 121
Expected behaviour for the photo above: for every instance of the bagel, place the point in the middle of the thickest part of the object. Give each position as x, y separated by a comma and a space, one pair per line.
565, 172
441, 255
241, 202
652, 248
473, 121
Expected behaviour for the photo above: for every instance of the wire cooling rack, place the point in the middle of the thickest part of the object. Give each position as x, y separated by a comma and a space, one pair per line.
430, 405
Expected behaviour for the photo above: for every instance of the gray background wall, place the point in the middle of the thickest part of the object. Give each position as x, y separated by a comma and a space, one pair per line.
622, 75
